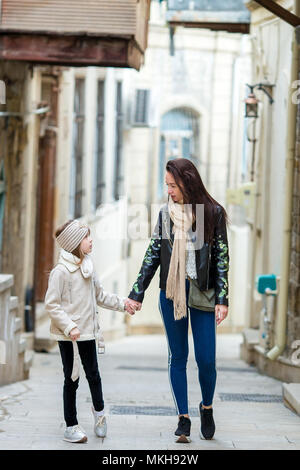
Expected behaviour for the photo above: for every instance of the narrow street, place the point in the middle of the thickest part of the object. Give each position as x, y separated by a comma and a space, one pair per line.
118, 121
248, 407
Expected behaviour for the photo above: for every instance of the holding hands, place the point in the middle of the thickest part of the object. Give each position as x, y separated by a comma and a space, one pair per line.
132, 305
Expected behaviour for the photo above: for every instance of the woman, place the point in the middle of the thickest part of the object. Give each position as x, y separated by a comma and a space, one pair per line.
193, 282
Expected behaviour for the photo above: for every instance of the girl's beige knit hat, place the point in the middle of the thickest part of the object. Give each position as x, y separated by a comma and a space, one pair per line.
72, 235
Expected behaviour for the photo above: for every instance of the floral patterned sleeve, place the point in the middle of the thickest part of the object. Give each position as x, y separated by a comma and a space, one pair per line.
149, 266
220, 257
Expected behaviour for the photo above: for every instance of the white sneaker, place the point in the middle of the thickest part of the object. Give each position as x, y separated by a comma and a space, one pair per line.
100, 426
75, 434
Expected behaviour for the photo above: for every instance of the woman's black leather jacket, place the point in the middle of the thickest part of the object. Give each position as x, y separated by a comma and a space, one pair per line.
212, 260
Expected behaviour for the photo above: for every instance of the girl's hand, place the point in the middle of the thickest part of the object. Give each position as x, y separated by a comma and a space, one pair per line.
74, 334
131, 306
129, 309
221, 312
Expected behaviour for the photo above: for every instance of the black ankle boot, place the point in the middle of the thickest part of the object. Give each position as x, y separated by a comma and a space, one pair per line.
207, 422
183, 430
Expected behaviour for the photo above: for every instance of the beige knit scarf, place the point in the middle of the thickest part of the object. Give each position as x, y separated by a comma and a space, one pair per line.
181, 215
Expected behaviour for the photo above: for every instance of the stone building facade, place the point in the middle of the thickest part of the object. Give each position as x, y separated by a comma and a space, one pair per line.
38, 125
293, 315
16, 173
271, 338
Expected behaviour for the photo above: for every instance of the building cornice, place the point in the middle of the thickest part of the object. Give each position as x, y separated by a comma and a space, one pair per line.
251, 5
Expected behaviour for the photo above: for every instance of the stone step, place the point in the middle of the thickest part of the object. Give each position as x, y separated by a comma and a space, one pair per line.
291, 396
28, 359
42, 340
40, 312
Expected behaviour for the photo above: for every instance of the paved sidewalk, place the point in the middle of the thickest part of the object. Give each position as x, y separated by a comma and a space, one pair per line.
248, 407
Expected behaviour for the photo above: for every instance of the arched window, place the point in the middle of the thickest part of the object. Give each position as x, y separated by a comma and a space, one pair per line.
179, 138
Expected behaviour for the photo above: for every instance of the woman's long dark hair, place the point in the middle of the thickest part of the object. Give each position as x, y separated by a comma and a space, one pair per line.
190, 183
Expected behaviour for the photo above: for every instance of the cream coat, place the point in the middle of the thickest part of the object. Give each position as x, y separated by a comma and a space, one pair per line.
72, 298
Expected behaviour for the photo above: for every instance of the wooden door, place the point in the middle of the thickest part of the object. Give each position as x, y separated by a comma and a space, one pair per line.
46, 189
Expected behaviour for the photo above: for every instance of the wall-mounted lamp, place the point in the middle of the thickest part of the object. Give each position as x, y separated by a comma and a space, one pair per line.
251, 111
251, 102
251, 106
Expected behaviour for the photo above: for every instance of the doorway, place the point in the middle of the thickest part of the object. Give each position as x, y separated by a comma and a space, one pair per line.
44, 250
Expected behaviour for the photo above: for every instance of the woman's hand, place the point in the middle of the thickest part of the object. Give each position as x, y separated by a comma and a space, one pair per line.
129, 308
74, 334
135, 304
221, 313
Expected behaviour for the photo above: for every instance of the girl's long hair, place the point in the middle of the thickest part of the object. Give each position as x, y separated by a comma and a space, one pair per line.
191, 185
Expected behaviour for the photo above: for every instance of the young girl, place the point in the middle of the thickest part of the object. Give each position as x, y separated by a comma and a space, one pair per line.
73, 294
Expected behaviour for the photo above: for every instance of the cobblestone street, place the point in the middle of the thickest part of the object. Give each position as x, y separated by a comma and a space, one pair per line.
248, 407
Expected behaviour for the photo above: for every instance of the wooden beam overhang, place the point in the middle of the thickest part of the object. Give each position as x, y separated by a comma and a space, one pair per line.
75, 33
279, 11
243, 28
70, 50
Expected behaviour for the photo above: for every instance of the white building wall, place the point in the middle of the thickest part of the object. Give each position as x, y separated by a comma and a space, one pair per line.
261, 254
238, 231
273, 65
109, 246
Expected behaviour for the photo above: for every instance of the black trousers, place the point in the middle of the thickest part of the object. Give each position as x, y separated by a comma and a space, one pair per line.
88, 356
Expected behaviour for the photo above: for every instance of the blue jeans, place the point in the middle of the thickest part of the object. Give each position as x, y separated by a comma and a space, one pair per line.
203, 326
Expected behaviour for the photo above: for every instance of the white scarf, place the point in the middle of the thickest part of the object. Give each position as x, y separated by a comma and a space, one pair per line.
181, 216
73, 263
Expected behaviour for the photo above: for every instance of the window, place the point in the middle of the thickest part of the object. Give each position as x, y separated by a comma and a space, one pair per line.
119, 177
179, 138
77, 151
141, 107
99, 150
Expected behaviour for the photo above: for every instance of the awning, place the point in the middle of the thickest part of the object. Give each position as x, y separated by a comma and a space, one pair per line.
75, 32
229, 15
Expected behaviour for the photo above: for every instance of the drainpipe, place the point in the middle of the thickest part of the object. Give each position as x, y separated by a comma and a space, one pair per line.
280, 329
